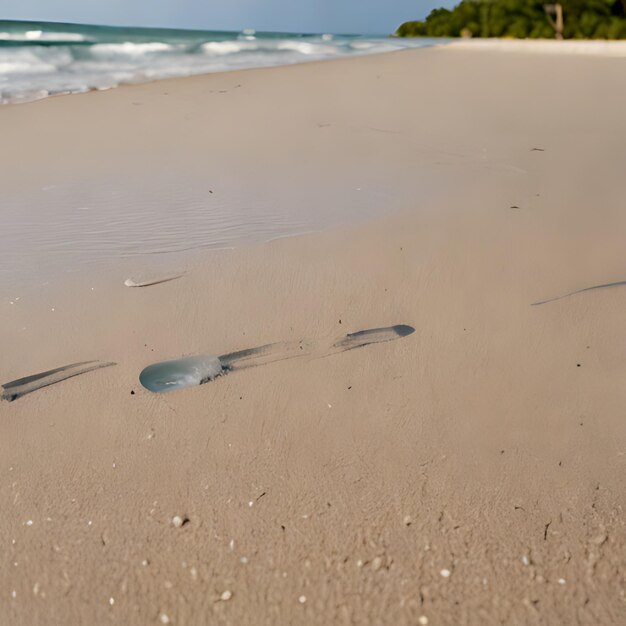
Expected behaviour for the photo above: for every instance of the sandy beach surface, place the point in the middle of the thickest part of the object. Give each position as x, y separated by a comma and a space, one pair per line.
469, 473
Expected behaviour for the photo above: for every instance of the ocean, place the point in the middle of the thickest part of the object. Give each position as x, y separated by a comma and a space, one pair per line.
40, 59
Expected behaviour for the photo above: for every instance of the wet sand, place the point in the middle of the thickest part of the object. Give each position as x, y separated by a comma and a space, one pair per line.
470, 472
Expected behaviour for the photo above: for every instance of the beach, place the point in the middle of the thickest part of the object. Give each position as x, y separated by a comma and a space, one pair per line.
470, 472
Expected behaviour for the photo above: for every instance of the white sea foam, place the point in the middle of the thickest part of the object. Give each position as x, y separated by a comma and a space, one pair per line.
31, 36
227, 47
129, 48
307, 48
24, 67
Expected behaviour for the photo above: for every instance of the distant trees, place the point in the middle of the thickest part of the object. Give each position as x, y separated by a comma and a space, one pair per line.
582, 19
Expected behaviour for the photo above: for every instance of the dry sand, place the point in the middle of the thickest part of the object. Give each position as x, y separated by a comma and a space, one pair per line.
472, 472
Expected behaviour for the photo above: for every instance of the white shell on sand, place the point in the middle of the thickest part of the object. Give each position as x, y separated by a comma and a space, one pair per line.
129, 282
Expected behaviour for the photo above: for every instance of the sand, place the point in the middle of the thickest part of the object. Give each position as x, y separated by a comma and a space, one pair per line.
471, 472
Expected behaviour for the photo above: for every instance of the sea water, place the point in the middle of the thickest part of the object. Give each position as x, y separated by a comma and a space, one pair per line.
40, 59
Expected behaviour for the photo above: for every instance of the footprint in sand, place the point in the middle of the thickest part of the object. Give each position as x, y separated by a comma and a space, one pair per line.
197, 370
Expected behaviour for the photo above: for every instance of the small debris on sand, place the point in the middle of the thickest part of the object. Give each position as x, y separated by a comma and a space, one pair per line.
422, 620
377, 563
129, 282
445, 573
407, 521
226, 595
164, 618
177, 521
302, 599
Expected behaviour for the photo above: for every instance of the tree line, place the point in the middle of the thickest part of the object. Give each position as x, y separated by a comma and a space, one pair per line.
569, 19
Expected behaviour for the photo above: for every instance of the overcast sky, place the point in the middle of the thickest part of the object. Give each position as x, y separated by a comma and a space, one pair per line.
335, 16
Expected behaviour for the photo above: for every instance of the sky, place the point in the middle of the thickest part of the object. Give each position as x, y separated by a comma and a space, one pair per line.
320, 16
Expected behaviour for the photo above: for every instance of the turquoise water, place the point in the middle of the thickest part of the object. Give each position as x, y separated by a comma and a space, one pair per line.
40, 59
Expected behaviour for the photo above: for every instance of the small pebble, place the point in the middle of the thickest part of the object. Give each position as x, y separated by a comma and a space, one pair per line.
177, 521
164, 618
244, 559
111, 601
29, 522
525, 560
14, 594
226, 595
407, 521
251, 503
561, 581
445, 573
422, 620
302, 599
376, 563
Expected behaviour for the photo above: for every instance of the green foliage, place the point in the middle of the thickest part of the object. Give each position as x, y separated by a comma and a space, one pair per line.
583, 19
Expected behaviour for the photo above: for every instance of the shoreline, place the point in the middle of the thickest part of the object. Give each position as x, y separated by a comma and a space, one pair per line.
207, 75
586, 47
469, 470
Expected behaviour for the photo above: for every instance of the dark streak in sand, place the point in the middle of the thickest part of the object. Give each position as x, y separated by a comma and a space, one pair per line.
22, 386
619, 283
